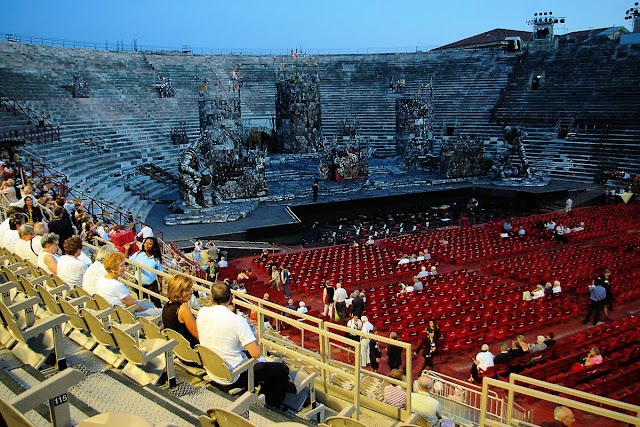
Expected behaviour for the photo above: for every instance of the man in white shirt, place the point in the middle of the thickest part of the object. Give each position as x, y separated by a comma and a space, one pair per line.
24, 246
229, 335
11, 236
340, 301
223, 263
367, 327
482, 361
145, 232
39, 230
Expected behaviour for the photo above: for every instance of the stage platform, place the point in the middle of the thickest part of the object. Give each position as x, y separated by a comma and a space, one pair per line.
290, 205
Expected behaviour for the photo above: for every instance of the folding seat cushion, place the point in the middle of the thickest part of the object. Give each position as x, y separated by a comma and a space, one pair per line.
123, 237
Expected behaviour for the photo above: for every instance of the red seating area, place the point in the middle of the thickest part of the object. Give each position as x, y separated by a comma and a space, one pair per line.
470, 307
483, 302
619, 344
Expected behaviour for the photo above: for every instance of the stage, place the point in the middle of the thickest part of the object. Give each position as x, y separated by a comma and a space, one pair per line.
289, 207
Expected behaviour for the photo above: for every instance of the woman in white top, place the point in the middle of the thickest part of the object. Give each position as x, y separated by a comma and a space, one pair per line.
115, 292
48, 258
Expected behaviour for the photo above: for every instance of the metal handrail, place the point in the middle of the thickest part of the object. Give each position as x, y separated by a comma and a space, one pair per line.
135, 47
33, 116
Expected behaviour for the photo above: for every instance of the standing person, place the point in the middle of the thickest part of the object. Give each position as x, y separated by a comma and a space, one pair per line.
327, 299
394, 353
145, 232
597, 295
150, 256
365, 357
61, 225
357, 305
315, 188
176, 314
276, 281
197, 251
428, 348
374, 353
567, 205
340, 301
212, 270
285, 278
229, 336
605, 281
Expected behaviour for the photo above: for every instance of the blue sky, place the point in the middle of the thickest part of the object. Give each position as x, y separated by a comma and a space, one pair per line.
281, 25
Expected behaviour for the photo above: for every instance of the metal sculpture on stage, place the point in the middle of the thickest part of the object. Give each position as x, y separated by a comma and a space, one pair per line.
217, 167
414, 124
346, 155
79, 87
513, 161
164, 86
298, 118
461, 157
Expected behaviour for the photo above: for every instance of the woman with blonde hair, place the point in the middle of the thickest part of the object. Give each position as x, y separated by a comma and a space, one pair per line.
176, 314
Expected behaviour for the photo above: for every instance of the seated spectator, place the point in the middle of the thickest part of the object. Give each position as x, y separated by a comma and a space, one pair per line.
116, 293
523, 344
291, 306
521, 232
39, 230
24, 245
551, 225
11, 236
8, 189
423, 273
223, 263
176, 314
504, 356
548, 289
538, 292
71, 267
48, 258
369, 241
229, 336
539, 345
562, 417
395, 395
550, 341
559, 233
556, 287
482, 361
423, 404
405, 290
242, 276
417, 285
302, 308
515, 350
96, 270
404, 260
433, 271
578, 227
593, 358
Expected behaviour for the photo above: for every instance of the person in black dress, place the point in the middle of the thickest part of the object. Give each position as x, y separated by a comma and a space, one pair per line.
176, 314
